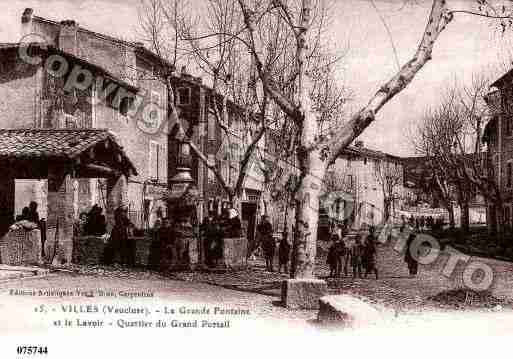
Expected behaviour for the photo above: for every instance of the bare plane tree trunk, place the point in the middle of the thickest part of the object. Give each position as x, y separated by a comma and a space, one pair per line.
307, 215
316, 153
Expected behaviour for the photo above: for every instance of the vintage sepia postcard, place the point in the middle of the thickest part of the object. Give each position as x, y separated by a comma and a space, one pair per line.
246, 177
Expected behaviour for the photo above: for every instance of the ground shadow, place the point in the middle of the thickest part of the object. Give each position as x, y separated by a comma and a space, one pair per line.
263, 290
278, 303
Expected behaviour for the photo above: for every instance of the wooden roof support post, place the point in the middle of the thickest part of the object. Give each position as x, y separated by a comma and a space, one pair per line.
60, 213
117, 196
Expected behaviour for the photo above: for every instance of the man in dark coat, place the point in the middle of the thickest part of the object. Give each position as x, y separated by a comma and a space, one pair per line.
284, 253
369, 254
332, 259
268, 244
96, 223
258, 242
356, 256
208, 234
341, 252
122, 243
182, 233
234, 223
33, 215
160, 236
166, 242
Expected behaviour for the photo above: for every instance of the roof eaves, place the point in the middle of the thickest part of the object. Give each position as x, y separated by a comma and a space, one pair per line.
96, 68
500, 80
146, 52
113, 39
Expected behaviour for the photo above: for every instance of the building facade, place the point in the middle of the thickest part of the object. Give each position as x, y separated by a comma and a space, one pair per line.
498, 135
89, 80
223, 142
135, 111
364, 178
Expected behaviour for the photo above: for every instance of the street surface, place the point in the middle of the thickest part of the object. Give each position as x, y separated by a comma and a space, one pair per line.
413, 300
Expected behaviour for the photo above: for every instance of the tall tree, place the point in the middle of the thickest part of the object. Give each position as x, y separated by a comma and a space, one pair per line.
450, 136
389, 175
254, 23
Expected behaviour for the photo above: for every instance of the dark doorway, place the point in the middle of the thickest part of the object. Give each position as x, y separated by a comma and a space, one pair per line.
249, 214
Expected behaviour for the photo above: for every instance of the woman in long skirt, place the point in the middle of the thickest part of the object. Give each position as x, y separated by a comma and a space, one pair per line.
410, 260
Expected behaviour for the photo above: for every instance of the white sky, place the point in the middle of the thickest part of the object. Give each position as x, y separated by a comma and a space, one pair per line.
467, 45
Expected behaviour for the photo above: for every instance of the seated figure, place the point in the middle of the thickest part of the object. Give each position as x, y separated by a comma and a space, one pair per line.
95, 224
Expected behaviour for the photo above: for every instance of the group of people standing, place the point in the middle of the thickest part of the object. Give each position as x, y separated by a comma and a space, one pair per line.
423, 223
29, 213
214, 229
121, 246
171, 246
359, 255
267, 242
93, 222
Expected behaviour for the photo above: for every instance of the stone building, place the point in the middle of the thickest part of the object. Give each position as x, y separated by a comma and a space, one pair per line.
361, 186
498, 135
62, 78
87, 80
223, 144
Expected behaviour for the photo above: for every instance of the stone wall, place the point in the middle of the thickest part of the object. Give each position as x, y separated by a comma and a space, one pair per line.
88, 249
19, 92
91, 250
21, 247
142, 250
235, 250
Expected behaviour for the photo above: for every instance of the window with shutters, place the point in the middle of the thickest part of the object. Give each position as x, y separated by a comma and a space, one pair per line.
350, 181
124, 106
184, 96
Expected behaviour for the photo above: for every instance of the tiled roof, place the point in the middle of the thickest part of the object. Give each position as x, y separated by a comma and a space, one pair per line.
364, 151
43, 47
54, 143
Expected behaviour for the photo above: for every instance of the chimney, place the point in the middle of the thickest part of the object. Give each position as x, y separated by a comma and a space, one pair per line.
26, 22
358, 144
68, 37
